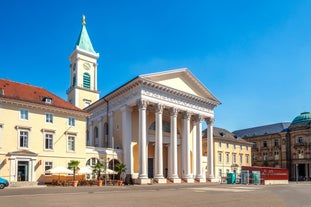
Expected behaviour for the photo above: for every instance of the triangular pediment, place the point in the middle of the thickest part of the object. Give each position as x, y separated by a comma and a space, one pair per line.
23, 152
183, 80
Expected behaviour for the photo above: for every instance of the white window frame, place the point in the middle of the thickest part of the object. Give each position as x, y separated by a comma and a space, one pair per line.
227, 158
49, 118
45, 165
50, 137
71, 121
247, 159
219, 144
227, 145
220, 157
24, 114
69, 142
241, 159
19, 138
234, 158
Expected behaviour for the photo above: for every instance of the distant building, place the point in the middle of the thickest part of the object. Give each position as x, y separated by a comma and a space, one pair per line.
38, 131
284, 145
230, 152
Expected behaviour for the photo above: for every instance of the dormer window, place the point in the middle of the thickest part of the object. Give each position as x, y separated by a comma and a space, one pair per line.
47, 100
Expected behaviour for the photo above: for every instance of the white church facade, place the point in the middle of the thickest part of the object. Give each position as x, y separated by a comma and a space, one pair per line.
153, 123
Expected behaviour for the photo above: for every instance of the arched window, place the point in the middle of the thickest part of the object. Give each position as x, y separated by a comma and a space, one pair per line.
166, 127
86, 80
92, 161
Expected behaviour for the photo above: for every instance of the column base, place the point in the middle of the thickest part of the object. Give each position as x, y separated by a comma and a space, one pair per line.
143, 181
175, 180
188, 180
160, 180
213, 180
201, 180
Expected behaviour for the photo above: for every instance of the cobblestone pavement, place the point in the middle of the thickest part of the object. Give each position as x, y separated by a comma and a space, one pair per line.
207, 195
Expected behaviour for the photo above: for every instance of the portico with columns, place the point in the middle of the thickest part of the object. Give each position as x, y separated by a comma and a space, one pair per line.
154, 124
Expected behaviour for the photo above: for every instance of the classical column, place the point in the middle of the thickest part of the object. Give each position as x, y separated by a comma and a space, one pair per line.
110, 125
91, 136
194, 148
100, 132
186, 148
127, 138
173, 147
210, 149
199, 173
142, 107
159, 145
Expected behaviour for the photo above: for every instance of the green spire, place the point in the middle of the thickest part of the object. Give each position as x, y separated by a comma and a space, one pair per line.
84, 41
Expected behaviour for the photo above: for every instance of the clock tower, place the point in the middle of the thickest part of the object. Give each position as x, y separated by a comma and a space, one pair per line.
83, 71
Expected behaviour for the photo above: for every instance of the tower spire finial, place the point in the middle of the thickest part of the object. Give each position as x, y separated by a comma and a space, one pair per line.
83, 20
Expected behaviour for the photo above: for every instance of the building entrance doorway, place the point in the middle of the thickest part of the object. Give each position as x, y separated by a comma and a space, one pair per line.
150, 167
23, 171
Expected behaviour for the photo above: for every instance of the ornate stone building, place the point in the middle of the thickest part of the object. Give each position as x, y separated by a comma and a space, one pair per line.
284, 145
153, 123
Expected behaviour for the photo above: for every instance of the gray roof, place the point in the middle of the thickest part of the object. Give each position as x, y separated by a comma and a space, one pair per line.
263, 130
223, 134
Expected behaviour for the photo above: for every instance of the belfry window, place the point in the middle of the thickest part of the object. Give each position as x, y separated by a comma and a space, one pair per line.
86, 80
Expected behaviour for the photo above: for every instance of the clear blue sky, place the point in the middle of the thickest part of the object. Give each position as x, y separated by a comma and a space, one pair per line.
254, 56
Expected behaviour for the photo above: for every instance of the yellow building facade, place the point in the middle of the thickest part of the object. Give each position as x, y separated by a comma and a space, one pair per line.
38, 131
230, 152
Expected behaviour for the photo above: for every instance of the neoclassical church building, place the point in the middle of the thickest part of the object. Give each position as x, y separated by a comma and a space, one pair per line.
152, 123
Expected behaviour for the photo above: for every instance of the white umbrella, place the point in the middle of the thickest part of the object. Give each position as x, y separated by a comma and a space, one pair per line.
59, 170
109, 171
85, 170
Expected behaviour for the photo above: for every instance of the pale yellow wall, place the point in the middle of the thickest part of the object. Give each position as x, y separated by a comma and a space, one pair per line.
9, 117
179, 84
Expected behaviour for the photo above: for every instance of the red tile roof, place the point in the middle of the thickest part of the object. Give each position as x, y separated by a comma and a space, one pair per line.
32, 94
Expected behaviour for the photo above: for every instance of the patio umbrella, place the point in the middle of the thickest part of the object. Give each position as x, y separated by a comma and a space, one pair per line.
59, 170
85, 170
109, 171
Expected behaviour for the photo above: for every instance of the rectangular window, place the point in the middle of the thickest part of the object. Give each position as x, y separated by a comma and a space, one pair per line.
241, 147
71, 121
247, 148
48, 144
264, 143
23, 139
219, 172
48, 118
234, 146
265, 156
227, 145
247, 159
219, 144
254, 157
23, 114
241, 159
219, 157
227, 157
254, 145
71, 144
276, 142
234, 158
47, 166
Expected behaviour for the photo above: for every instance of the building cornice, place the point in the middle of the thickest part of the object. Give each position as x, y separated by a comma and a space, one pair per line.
44, 107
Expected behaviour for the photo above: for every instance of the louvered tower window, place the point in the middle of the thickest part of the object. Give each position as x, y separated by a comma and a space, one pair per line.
86, 80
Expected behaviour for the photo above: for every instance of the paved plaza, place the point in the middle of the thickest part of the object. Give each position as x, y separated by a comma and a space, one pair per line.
207, 195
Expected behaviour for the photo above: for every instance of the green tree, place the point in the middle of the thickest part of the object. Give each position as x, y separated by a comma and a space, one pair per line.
120, 168
74, 165
98, 169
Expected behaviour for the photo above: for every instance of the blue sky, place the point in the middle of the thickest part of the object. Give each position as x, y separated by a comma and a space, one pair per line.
254, 56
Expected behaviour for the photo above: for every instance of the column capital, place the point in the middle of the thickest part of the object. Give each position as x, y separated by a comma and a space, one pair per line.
173, 111
159, 108
126, 108
198, 118
209, 120
142, 104
186, 115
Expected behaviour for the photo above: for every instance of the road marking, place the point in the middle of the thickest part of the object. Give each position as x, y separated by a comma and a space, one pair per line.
235, 189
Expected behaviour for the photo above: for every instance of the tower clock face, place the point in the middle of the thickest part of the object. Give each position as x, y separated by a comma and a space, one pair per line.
86, 66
